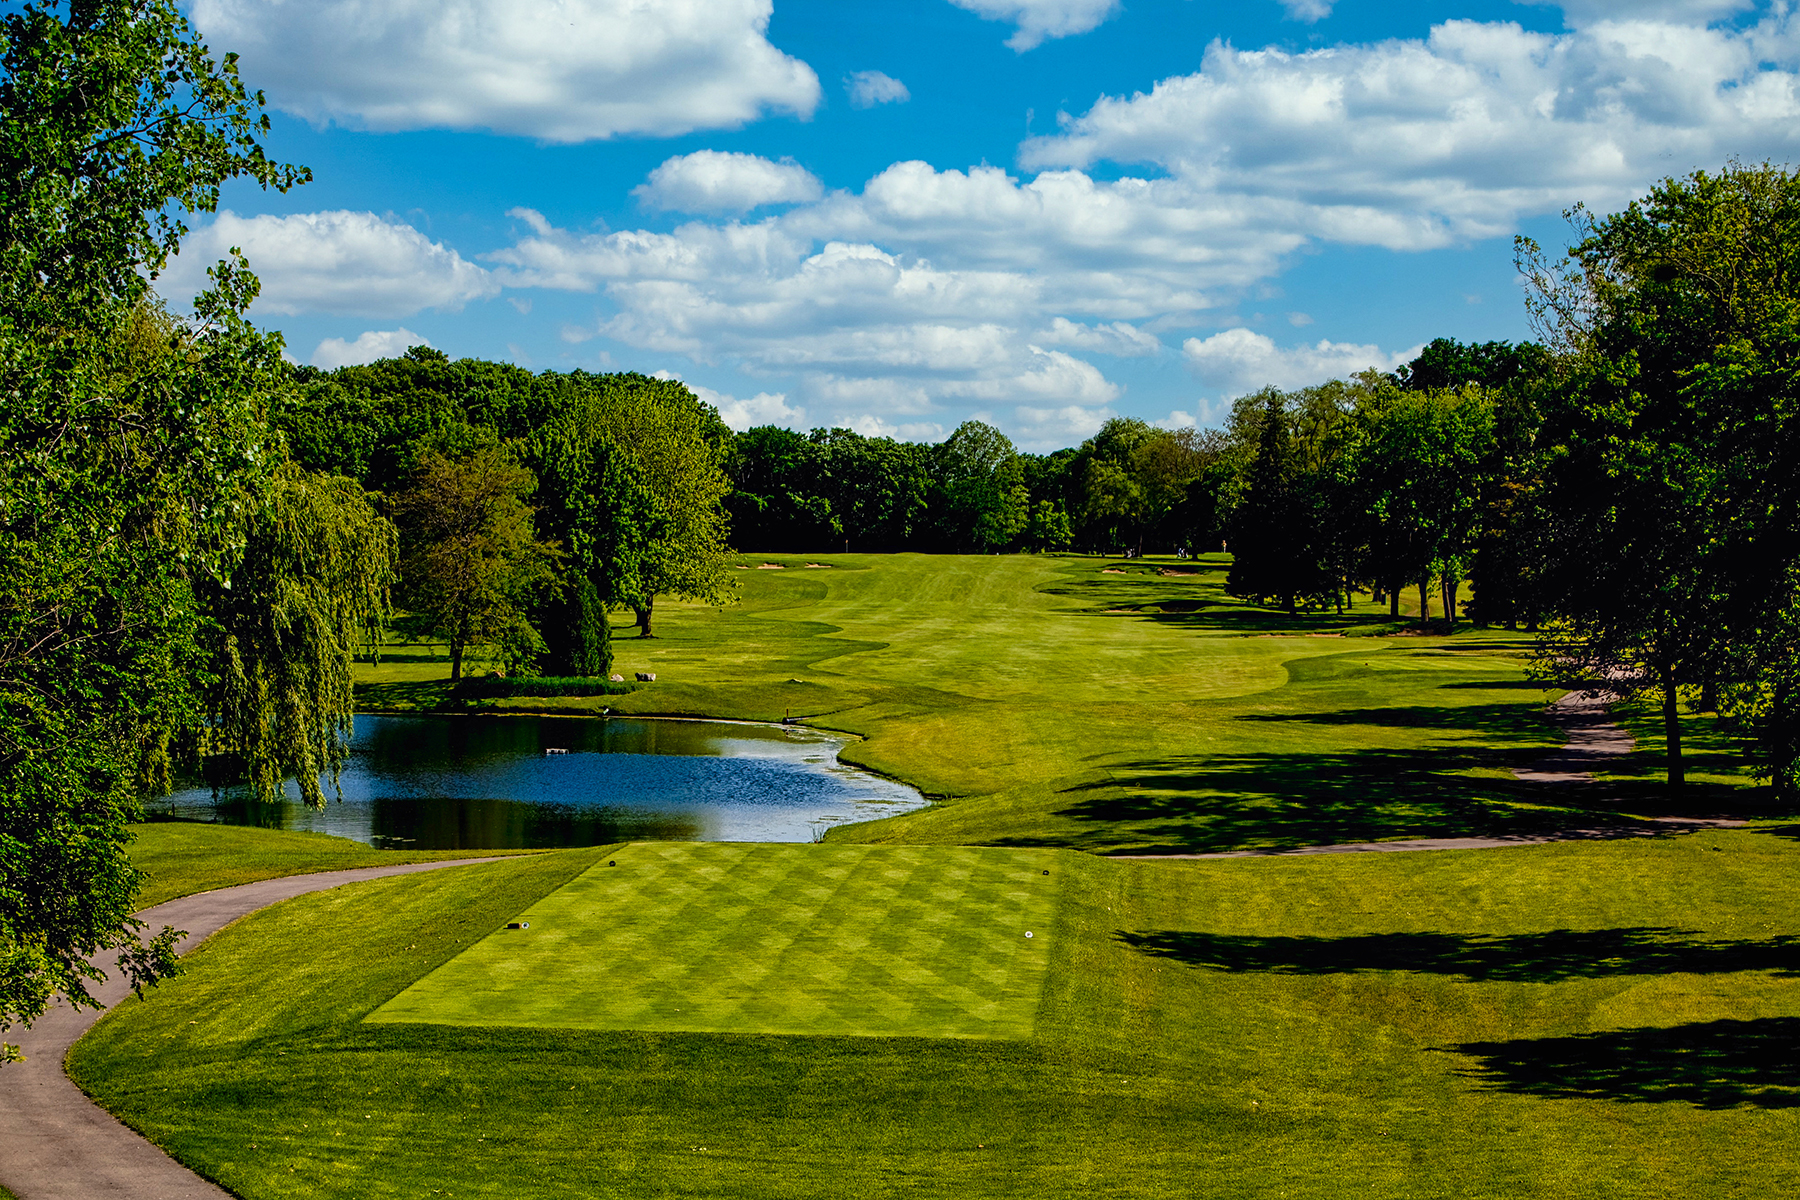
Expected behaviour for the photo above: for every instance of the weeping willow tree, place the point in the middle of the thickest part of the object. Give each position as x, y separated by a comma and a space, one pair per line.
311, 589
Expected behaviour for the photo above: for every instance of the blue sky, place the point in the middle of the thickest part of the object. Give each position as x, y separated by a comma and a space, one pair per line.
899, 215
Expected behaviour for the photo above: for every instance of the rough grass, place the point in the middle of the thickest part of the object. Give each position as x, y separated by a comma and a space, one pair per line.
734, 938
183, 857
1585, 1019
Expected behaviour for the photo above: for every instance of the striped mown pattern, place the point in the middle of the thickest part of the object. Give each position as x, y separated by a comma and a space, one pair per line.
737, 938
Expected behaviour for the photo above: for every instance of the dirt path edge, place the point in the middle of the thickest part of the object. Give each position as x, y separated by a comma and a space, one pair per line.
55, 1143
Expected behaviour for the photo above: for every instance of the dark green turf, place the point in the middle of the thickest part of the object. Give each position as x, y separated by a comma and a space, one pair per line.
732, 938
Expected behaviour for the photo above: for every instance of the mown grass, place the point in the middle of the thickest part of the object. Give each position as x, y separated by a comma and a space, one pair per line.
181, 858
1117, 706
735, 938
1581, 1019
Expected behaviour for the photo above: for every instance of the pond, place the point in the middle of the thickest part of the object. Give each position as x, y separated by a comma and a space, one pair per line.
470, 783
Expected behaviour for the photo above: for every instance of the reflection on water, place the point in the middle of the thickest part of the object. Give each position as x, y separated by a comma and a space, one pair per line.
454, 783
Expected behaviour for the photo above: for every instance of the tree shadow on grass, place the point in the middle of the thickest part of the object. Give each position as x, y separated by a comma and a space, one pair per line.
1492, 722
411, 696
1548, 957
1281, 801
1712, 1065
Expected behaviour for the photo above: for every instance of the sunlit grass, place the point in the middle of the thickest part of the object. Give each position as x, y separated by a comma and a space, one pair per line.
1588, 1019
1104, 704
732, 938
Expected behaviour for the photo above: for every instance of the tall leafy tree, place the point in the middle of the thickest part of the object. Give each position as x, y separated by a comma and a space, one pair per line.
1417, 472
471, 560
681, 447
595, 503
1673, 483
130, 447
1268, 559
982, 501
310, 588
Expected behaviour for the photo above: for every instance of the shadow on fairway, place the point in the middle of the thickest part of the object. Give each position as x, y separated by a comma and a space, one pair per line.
1549, 957
1715, 1064
1489, 721
1277, 801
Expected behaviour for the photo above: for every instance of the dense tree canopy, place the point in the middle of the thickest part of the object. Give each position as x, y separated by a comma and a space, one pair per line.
470, 556
1673, 478
135, 458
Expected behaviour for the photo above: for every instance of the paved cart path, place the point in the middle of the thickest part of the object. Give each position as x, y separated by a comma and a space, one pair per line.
1591, 737
55, 1143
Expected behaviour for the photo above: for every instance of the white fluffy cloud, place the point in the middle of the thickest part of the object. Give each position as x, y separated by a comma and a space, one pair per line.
1419, 143
1307, 10
1699, 12
1118, 338
560, 70
348, 263
1242, 360
1040, 19
867, 331
711, 181
764, 408
869, 88
333, 353
1041, 429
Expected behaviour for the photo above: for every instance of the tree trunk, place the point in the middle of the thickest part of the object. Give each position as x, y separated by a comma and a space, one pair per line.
456, 655
1449, 586
1709, 695
1425, 602
1394, 602
643, 617
1672, 729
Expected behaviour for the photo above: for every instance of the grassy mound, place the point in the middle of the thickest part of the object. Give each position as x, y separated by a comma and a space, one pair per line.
1610, 1020
765, 939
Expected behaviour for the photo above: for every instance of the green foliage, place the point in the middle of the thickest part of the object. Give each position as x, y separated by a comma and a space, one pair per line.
132, 448
310, 589
1673, 431
471, 560
116, 119
829, 490
679, 445
1418, 474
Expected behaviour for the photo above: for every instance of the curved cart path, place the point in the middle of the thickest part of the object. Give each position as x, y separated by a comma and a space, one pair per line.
55, 1143
1591, 736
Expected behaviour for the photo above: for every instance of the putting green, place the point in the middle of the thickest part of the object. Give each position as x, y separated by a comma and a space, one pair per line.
875, 941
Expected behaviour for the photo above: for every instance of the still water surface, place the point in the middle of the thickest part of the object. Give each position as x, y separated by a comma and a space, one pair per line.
454, 783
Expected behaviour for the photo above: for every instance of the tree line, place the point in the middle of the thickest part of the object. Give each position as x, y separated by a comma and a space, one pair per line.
528, 505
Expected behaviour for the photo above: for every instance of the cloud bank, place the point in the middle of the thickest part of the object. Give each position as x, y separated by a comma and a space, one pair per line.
348, 263
561, 70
